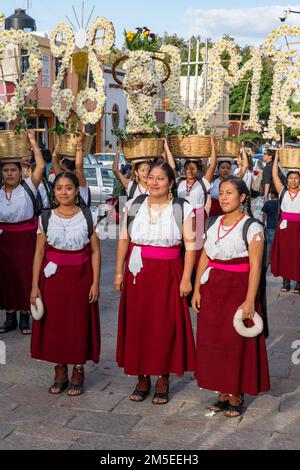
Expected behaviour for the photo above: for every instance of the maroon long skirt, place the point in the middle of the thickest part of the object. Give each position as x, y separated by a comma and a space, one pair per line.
69, 332
215, 208
16, 260
155, 335
225, 361
285, 254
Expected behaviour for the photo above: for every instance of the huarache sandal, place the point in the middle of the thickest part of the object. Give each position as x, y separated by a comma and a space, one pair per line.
236, 409
220, 405
61, 381
77, 380
10, 324
142, 389
24, 324
286, 286
161, 395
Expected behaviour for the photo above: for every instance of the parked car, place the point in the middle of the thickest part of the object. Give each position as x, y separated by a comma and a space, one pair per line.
108, 159
258, 168
101, 182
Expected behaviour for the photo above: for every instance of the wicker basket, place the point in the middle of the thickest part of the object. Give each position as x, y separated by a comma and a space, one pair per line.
227, 148
290, 158
191, 146
13, 146
143, 148
67, 145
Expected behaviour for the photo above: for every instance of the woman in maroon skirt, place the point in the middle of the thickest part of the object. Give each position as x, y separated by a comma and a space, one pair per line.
229, 275
18, 226
285, 255
66, 275
155, 335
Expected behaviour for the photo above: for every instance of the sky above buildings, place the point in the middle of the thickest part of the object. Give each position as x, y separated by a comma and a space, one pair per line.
249, 22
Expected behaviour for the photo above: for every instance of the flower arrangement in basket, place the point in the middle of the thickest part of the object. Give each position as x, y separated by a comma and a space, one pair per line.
185, 142
142, 85
88, 58
290, 158
14, 144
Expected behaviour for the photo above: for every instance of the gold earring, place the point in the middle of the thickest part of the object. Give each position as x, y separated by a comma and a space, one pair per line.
137, 179
170, 196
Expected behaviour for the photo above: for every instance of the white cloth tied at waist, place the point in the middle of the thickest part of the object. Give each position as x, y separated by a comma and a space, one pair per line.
205, 276
136, 262
50, 269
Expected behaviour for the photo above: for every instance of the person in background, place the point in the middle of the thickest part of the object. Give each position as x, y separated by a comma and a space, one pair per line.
137, 185
64, 164
224, 170
267, 180
285, 255
270, 216
245, 168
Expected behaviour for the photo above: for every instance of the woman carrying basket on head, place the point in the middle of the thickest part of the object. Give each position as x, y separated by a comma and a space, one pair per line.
18, 224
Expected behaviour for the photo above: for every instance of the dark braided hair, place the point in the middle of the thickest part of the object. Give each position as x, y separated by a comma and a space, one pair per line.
242, 188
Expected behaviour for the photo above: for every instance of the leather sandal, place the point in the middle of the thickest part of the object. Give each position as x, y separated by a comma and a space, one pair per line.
286, 286
161, 395
296, 289
76, 384
24, 324
61, 381
221, 405
10, 324
237, 409
142, 389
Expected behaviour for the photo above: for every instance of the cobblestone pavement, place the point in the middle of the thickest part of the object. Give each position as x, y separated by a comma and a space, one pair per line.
104, 418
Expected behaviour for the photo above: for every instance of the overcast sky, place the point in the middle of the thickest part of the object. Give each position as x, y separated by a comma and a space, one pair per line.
249, 22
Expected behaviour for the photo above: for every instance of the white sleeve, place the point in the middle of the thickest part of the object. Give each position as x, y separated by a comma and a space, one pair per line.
187, 211
29, 182
255, 230
207, 184
129, 187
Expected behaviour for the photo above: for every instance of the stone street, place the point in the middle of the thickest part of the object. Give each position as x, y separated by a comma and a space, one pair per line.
104, 418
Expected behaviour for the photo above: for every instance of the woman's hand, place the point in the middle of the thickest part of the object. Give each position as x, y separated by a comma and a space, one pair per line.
31, 137
118, 282
185, 287
94, 294
248, 308
35, 293
196, 301
79, 140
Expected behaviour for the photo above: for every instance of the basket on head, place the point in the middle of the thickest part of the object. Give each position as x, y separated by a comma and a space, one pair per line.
67, 144
190, 146
227, 148
143, 148
289, 158
13, 147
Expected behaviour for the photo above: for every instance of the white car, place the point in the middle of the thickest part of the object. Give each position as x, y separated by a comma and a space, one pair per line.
258, 168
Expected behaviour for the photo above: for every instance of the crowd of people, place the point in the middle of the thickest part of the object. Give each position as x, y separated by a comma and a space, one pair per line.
184, 241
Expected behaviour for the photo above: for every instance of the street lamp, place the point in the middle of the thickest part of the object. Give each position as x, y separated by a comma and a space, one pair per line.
285, 14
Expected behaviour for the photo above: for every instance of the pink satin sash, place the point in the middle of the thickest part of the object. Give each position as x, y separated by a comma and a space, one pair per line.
290, 217
235, 268
159, 252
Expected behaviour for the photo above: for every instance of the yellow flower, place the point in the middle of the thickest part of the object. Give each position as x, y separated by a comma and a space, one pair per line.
130, 36
146, 34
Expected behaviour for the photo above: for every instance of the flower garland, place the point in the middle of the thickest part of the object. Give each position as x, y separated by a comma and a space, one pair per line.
63, 52
281, 92
141, 85
95, 51
172, 86
24, 40
104, 49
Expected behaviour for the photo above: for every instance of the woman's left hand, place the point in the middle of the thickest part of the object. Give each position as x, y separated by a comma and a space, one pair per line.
248, 308
94, 294
185, 287
31, 136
